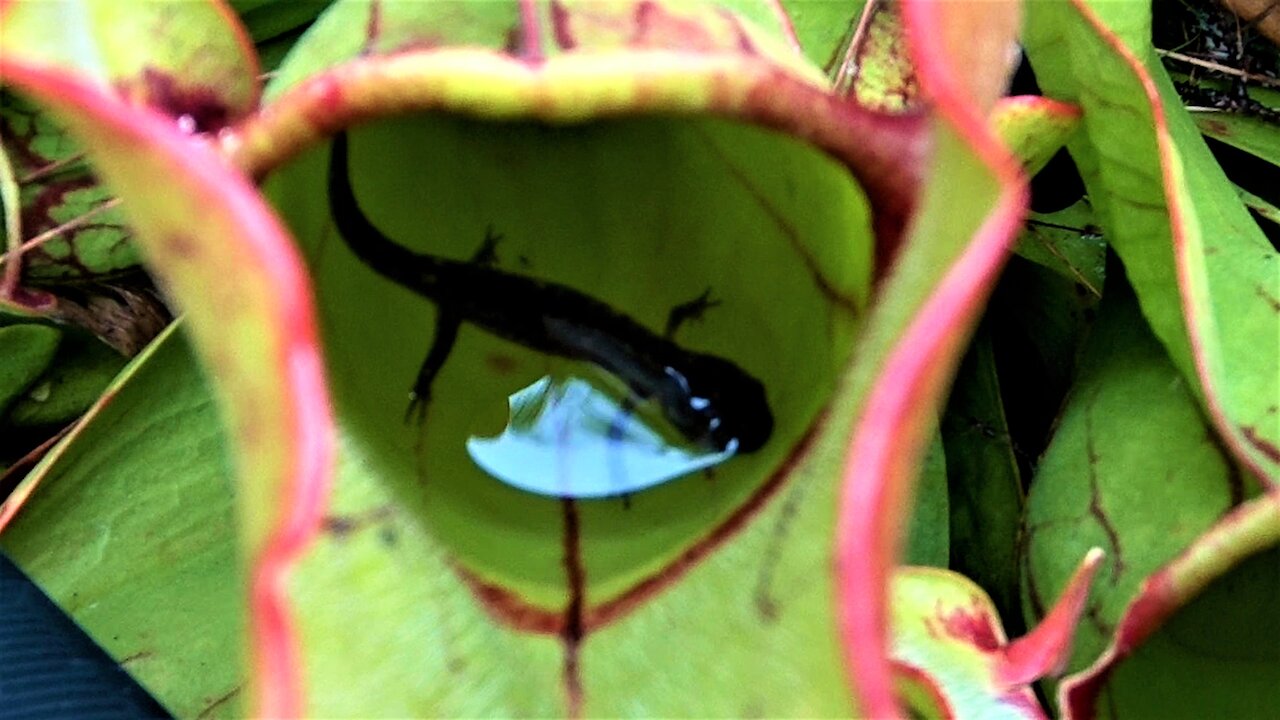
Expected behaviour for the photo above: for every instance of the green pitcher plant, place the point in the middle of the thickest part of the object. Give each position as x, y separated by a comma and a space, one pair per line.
586, 358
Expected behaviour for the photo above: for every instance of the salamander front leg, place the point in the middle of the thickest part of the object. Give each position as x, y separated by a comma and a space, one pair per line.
488, 253
447, 324
692, 310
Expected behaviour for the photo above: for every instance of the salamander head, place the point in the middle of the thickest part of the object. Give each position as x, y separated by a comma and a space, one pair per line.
712, 400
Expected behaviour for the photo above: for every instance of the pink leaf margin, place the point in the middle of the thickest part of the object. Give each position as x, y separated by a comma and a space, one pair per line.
951, 656
1248, 529
1188, 282
263, 247
884, 453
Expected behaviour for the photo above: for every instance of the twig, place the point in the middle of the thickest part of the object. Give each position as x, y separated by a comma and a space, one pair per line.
65, 227
847, 74
50, 169
1218, 67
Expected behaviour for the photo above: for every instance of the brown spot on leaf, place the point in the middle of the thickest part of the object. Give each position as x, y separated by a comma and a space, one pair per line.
766, 604
212, 704
500, 363
182, 246
509, 608
135, 657
1216, 128
342, 526
338, 525
1269, 298
1262, 444
372, 27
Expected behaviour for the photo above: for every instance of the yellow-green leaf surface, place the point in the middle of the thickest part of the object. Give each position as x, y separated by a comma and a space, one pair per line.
1197, 636
643, 214
1206, 276
823, 28
530, 585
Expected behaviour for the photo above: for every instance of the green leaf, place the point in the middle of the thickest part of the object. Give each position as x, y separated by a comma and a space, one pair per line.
1156, 186
985, 485
133, 534
1069, 243
27, 350
929, 534
269, 19
1251, 529
1215, 657
258, 332
1131, 468
823, 27
1255, 136
79, 372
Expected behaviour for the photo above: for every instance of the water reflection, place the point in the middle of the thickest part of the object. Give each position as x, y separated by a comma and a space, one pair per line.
567, 438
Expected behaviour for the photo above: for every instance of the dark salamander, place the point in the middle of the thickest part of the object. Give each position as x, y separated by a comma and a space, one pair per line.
710, 400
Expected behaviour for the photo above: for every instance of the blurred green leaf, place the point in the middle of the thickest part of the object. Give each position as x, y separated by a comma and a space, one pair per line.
27, 350
79, 372
984, 481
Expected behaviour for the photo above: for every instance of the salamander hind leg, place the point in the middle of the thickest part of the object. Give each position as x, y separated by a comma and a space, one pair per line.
446, 335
